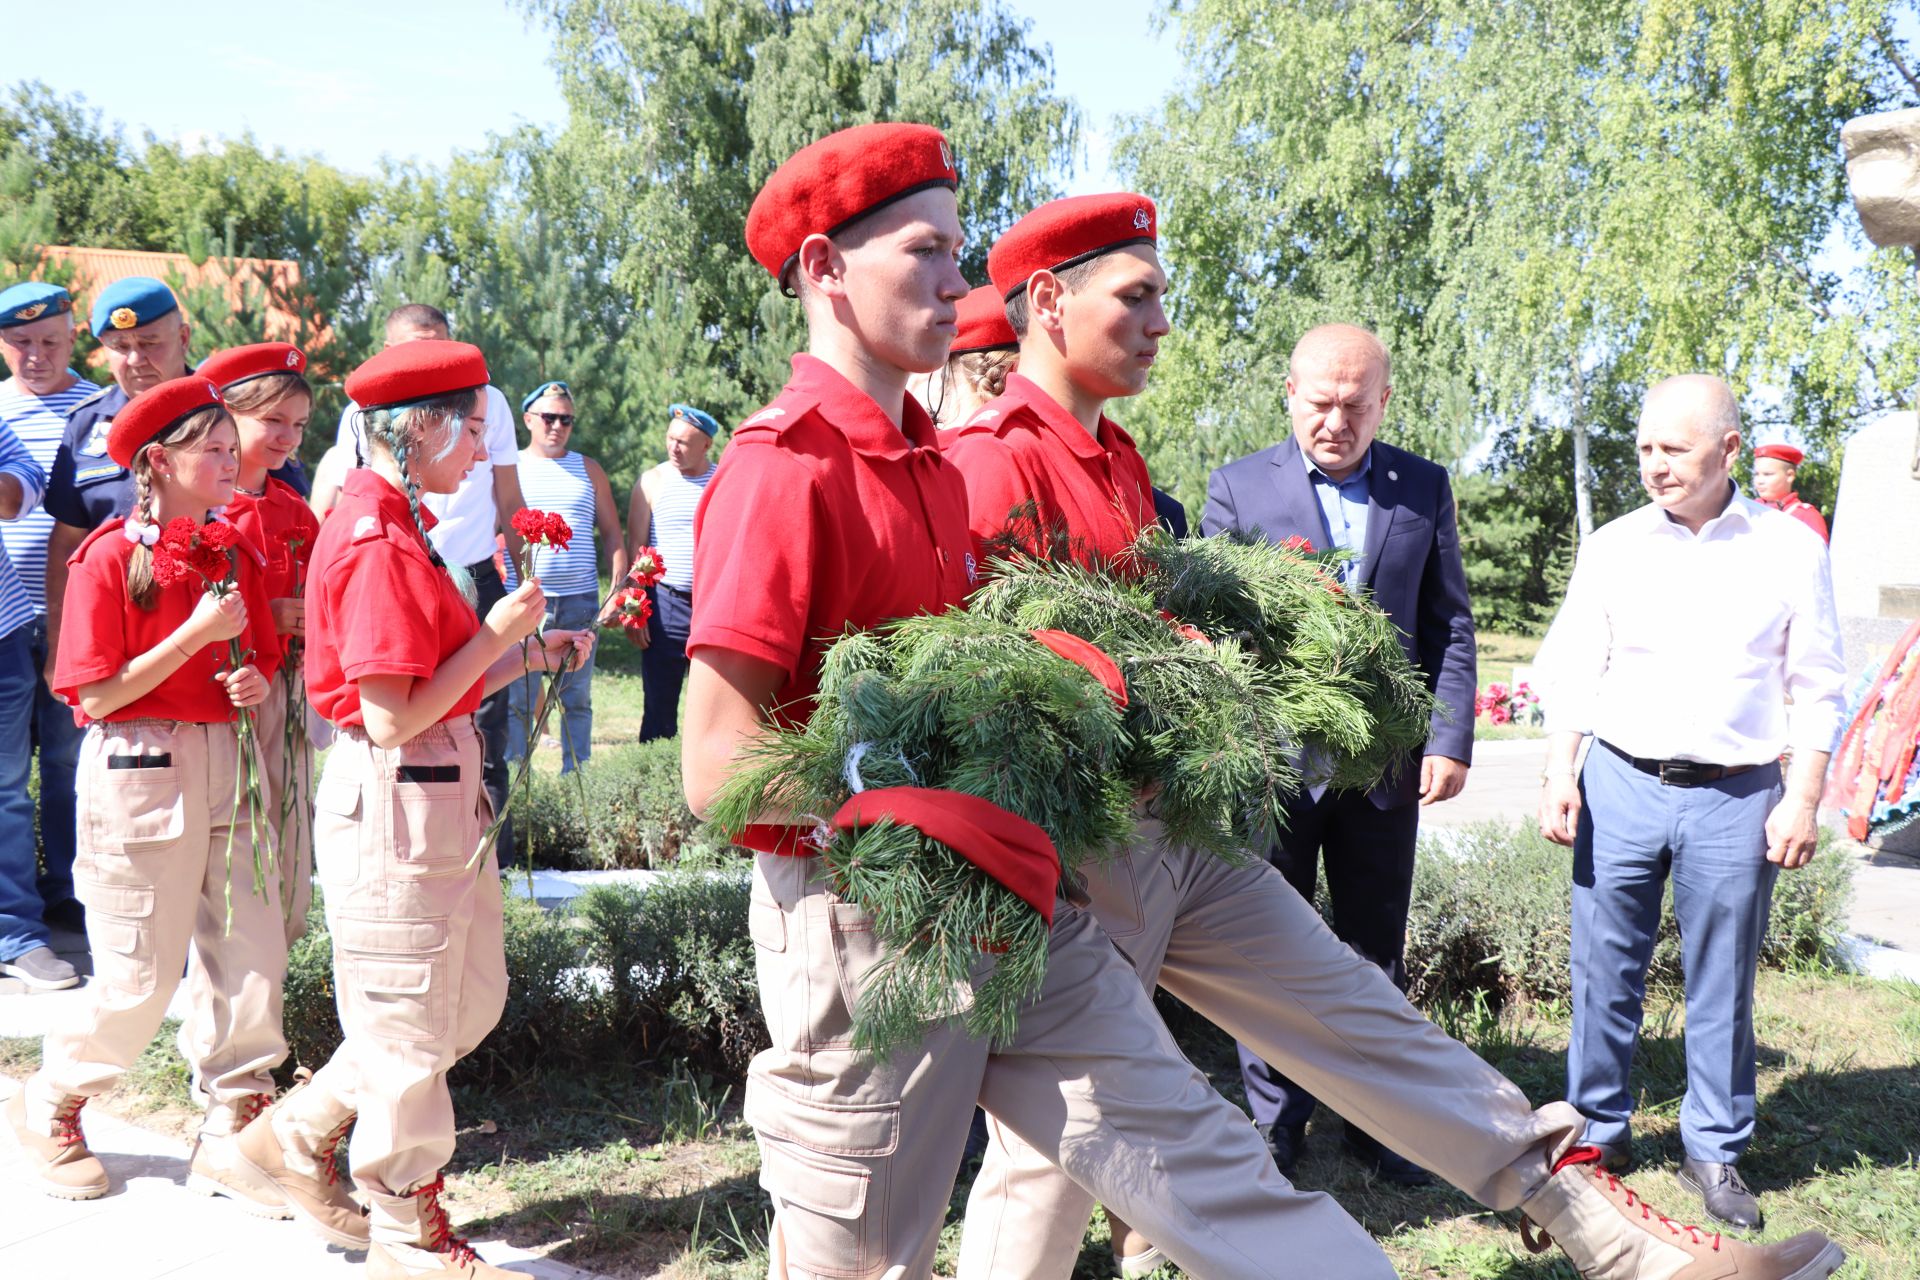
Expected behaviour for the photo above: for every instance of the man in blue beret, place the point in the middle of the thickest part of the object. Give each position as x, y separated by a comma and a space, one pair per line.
660, 515
24, 951
36, 338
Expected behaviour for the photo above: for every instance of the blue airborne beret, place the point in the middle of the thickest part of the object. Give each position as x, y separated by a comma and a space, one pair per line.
25, 303
130, 302
555, 388
697, 417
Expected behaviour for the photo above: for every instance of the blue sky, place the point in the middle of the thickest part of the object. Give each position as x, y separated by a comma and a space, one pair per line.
420, 80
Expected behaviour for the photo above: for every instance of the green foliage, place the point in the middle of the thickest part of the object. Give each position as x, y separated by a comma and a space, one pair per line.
622, 975
1492, 909
624, 808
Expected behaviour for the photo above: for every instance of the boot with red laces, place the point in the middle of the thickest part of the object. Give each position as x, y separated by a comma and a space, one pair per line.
304, 1172
58, 1149
1610, 1233
215, 1168
414, 1238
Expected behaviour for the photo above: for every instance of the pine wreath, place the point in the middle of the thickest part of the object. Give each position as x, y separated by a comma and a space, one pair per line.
1240, 660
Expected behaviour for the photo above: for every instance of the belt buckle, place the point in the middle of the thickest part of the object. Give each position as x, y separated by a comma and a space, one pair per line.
1680, 773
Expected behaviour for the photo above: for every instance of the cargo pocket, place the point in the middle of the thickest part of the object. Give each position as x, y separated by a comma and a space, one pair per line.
395, 975
337, 834
827, 1166
855, 951
138, 811
120, 933
429, 829
773, 968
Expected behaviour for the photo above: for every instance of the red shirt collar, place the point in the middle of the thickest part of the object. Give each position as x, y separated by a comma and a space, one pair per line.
853, 412
365, 482
1065, 427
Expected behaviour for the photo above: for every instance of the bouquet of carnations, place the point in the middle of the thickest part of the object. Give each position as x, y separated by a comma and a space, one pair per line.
187, 550
1502, 704
632, 609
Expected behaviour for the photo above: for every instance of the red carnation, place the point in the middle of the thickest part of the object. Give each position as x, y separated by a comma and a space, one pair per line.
219, 535
1299, 544
529, 524
648, 567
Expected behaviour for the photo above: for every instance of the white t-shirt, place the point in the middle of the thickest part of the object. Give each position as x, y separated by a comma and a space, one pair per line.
468, 517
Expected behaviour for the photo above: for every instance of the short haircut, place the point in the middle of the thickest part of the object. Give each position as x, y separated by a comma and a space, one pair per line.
1072, 279
1328, 335
419, 315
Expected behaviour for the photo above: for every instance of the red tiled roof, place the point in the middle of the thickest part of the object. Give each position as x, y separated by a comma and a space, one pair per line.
277, 278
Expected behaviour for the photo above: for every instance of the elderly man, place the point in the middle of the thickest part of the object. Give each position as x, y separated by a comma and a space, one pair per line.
660, 515
1775, 466
467, 520
1686, 626
1334, 485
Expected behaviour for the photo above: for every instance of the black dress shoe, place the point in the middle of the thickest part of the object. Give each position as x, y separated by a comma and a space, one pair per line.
1726, 1197
68, 915
1283, 1144
1388, 1166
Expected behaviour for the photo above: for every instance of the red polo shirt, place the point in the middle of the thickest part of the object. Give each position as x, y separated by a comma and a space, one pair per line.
376, 604
104, 630
281, 524
1805, 512
823, 515
1023, 447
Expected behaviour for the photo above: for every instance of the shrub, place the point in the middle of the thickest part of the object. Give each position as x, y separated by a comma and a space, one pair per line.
1491, 909
623, 808
621, 975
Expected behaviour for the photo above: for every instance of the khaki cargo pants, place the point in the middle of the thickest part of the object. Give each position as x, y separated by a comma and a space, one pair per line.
1246, 951
418, 953
152, 869
293, 850
859, 1155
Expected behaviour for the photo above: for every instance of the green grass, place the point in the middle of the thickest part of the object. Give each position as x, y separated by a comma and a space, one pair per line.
655, 1175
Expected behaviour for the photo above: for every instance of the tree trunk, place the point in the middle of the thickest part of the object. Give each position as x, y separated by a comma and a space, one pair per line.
1582, 475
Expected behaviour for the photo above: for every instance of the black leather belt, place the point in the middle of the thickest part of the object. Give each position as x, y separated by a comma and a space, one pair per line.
1680, 773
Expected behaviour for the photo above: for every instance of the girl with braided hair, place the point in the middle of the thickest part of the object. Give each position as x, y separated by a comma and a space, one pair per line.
166, 851
397, 661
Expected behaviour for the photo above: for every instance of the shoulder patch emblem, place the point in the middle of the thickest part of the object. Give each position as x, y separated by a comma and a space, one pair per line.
984, 416
97, 438
765, 415
365, 527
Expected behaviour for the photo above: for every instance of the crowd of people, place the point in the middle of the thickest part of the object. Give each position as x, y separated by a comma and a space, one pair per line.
1696, 645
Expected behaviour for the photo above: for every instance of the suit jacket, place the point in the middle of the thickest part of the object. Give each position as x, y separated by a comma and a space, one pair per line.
1411, 563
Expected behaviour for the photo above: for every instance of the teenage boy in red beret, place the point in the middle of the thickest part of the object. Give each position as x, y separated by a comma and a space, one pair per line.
832, 509
1084, 287
1774, 469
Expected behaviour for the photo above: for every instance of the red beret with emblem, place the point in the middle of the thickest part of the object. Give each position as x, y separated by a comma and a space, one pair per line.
983, 323
1064, 233
417, 370
1784, 452
149, 414
243, 364
845, 176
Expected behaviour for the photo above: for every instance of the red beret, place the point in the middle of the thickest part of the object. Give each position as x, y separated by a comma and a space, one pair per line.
1062, 233
983, 323
150, 413
243, 364
417, 370
1785, 452
844, 176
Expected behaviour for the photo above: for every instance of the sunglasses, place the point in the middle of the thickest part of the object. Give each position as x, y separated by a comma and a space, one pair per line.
556, 419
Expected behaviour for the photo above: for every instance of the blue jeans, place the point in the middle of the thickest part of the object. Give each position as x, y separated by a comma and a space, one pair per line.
57, 738
572, 721
21, 929
1634, 833
663, 663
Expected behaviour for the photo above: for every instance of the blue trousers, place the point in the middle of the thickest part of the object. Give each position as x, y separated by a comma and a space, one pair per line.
663, 664
1635, 832
21, 928
572, 721
57, 738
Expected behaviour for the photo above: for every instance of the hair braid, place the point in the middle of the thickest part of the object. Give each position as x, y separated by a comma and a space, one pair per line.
395, 430
140, 584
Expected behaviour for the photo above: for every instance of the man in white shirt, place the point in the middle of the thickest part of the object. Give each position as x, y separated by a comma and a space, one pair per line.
1687, 627
468, 519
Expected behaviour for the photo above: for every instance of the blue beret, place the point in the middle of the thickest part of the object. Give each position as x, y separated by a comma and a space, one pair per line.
25, 303
542, 390
698, 417
130, 302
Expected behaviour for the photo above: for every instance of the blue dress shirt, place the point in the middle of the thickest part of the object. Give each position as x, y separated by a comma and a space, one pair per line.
1343, 511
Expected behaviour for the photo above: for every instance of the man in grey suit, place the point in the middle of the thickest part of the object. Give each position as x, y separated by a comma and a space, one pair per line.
1336, 486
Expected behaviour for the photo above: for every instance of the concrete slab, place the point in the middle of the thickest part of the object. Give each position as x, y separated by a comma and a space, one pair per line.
150, 1226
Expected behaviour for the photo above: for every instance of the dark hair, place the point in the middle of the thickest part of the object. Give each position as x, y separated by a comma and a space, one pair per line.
1073, 279
419, 315
190, 430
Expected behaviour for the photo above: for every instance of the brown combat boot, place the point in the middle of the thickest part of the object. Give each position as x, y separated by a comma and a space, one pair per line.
416, 1240
1612, 1234
215, 1168
307, 1177
59, 1153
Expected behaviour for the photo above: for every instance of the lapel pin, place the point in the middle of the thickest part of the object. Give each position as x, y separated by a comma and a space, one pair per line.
1393, 475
